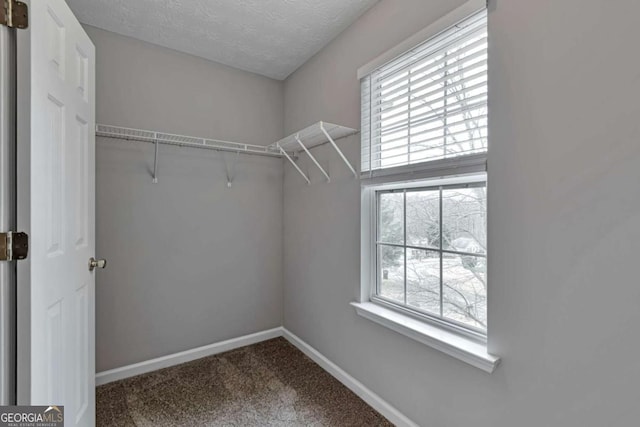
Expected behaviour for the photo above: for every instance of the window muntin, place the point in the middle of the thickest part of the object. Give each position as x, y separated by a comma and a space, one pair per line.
431, 253
430, 103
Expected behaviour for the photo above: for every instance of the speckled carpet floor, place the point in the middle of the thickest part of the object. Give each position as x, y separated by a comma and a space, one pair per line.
267, 384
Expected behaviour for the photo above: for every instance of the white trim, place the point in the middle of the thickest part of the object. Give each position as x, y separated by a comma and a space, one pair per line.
423, 183
372, 399
116, 374
462, 348
368, 214
445, 22
463, 165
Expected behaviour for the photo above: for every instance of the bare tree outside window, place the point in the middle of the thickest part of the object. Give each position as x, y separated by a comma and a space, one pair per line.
432, 252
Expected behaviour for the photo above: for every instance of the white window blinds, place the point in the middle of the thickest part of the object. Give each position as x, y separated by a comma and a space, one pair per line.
430, 103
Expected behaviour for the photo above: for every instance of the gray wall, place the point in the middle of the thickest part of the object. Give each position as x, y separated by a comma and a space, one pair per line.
191, 262
564, 206
145, 86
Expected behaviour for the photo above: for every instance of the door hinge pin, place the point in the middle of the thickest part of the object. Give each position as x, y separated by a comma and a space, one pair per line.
14, 246
14, 14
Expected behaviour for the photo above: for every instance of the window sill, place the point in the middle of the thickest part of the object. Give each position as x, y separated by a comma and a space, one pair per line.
454, 345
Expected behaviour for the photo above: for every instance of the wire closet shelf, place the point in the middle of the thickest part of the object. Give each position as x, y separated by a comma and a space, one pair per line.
315, 135
130, 134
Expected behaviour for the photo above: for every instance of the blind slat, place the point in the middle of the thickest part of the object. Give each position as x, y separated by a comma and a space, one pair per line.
439, 129
445, 82
433, 112
449, 62
430, 103
473, 144
451, 37
402, 158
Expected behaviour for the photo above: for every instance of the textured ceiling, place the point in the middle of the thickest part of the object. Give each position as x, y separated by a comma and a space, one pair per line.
268, 37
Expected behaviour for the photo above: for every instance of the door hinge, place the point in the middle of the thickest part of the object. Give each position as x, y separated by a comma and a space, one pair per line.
14, 14
14, 246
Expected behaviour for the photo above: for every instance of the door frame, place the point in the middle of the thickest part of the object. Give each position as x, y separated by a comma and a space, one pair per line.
23, 220
7, 213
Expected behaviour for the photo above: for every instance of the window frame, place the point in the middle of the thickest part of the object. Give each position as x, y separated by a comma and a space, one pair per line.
458, 342
372, 193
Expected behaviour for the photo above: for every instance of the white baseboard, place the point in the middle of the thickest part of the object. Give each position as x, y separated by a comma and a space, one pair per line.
375, 401
123, 372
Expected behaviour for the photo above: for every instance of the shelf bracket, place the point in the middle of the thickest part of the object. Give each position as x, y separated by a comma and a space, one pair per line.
155, 159
295, 165
313, 159
355, 174
231, 172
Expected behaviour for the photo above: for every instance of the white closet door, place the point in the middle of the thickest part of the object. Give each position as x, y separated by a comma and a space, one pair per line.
56, 183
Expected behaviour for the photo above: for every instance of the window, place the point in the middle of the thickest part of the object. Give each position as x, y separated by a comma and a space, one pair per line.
424, 146
431, 252
430, 103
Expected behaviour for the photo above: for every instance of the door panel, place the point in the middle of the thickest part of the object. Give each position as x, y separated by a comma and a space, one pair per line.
55, 174
57, 121
82, 381
81, 180
54, 353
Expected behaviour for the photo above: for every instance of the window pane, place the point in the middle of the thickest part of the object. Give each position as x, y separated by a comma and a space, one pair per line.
423, 280
423, 218
391, 283
391, 218
465, 289
464, 219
